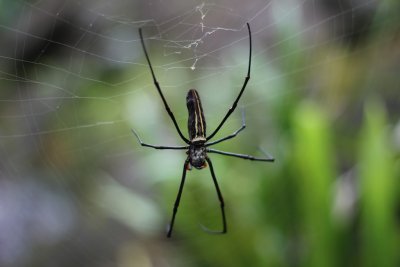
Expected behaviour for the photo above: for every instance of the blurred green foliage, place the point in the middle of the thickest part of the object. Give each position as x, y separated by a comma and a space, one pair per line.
314, 165
377, 191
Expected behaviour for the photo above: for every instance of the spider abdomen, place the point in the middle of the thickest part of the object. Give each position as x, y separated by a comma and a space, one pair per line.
196, 121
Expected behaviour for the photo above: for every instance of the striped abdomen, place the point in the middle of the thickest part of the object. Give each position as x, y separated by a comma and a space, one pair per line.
196, 121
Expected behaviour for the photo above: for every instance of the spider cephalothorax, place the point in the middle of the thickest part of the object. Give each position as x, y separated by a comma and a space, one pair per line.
197, 156
197, 144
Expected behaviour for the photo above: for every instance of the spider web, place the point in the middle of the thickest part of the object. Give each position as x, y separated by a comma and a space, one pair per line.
74, 81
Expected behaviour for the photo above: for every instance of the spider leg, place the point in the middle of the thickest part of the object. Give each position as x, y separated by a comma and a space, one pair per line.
157, 147
171, 115
242, 156
232, 108
231, 135
221, 201
178, 197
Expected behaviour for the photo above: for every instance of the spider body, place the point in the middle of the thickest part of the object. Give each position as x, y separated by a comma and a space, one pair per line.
196, 121
197, 145
197, 130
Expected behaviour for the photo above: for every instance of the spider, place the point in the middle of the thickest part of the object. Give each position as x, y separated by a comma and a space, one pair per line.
198, 143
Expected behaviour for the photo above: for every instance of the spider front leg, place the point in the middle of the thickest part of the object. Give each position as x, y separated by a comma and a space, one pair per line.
246, 80
157, 85
157, 147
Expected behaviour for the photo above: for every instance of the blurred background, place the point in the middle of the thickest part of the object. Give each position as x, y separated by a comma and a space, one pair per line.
77, 189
